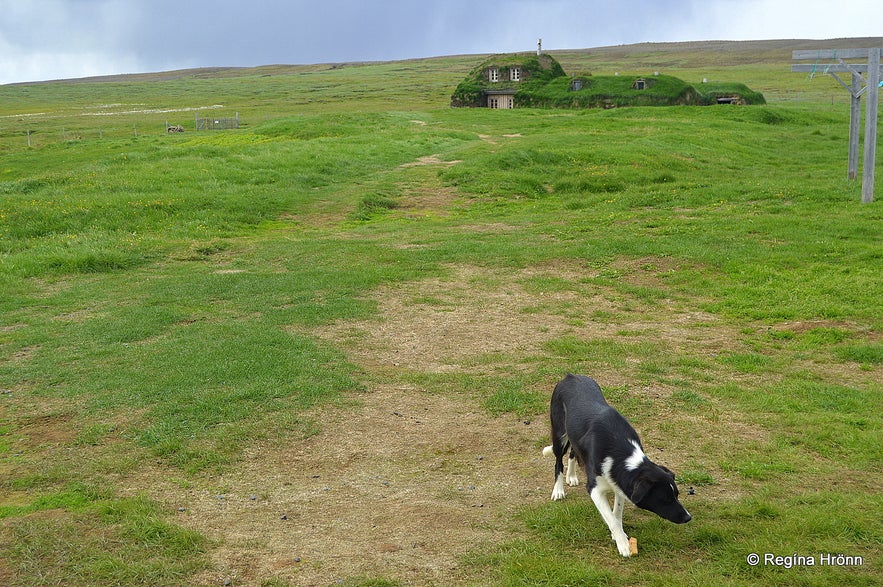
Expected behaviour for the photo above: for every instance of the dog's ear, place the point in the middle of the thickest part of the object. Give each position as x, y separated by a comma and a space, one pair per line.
640, 488
667, 473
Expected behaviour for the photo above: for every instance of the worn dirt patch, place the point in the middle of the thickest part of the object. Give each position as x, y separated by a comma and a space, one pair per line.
491, 141
399, 488
407, 481
47, 430
458, 322
433, 201
448, 324
430, 160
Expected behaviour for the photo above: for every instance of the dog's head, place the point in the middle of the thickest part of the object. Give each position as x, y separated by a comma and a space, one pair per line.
655, 490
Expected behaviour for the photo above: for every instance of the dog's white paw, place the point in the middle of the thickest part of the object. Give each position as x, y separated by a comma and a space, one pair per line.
558, 488
623, 547
572, 480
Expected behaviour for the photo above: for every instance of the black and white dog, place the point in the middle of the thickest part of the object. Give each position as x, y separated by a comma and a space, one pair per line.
608, 449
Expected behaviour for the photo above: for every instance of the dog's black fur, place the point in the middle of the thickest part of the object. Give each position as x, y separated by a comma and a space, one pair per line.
609, 450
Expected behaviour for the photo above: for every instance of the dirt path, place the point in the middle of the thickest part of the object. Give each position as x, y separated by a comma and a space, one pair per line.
407, 481
397, 488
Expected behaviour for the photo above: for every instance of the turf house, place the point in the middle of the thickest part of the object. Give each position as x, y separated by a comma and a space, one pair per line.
539, 81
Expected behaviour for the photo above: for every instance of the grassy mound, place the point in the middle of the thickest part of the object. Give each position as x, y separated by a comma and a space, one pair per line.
610, 91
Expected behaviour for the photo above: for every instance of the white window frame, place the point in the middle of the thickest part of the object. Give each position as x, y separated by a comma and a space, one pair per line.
515, 74
493, 75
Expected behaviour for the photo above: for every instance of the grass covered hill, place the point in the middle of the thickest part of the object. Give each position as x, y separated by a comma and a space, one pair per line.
319, 349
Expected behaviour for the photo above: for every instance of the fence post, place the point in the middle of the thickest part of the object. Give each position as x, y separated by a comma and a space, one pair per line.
873, 85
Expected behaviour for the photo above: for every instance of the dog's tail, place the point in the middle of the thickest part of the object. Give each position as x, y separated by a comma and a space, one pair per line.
549, 451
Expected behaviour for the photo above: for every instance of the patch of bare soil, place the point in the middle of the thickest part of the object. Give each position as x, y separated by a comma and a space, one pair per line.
433, 201
430, 160
47, 430
398, 488
408, 480
451, 324
41, 423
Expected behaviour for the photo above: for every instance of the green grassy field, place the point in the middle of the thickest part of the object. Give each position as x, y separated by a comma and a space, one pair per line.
167, 301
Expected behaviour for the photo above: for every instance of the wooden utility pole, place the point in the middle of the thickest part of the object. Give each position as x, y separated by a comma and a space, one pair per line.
871, 124
855, 89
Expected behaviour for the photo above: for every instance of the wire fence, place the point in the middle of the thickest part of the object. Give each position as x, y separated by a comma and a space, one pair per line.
216, 123
44, 133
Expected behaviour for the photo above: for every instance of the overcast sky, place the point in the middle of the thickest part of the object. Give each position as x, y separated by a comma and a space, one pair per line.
54, 39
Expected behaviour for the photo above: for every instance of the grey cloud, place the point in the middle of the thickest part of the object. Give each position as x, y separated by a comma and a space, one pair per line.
44, 39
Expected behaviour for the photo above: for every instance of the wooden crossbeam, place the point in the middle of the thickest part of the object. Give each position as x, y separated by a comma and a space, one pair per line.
829, 68
805, 54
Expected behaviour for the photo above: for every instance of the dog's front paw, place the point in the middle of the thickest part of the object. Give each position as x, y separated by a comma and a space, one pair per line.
558, 488
623, 547
573, 480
